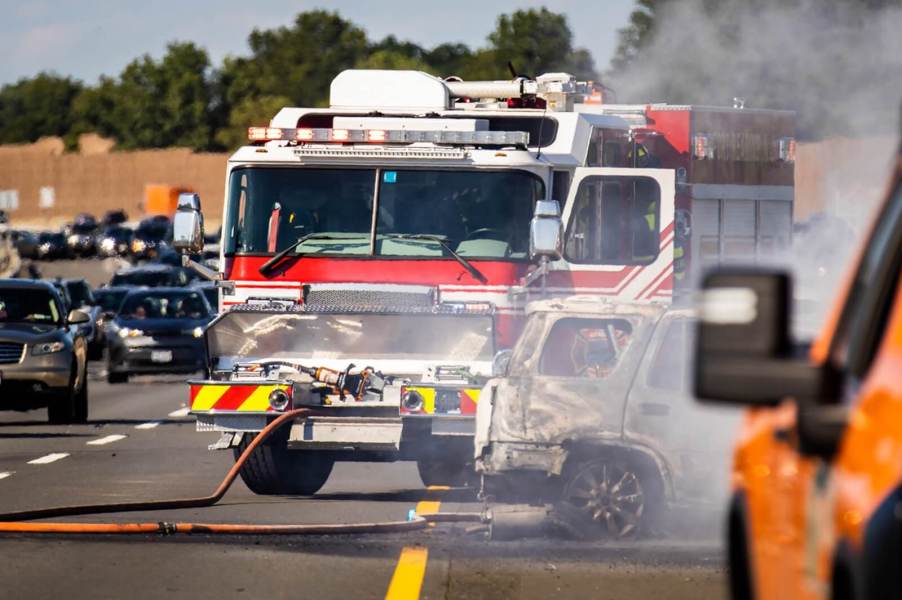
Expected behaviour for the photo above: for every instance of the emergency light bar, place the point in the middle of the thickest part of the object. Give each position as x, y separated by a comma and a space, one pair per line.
387, 136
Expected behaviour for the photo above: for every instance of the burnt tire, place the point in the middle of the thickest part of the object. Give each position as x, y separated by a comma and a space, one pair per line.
273, 469
605, 498
434, 471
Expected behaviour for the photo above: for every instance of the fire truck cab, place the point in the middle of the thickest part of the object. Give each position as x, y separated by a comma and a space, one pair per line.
378, 253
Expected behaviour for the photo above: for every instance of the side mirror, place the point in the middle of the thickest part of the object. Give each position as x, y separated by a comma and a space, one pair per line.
546, 231
77, 317
188, 225
744, 353
501, 362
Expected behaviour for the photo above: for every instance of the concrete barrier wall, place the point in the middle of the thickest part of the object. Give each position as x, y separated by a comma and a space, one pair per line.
845, 176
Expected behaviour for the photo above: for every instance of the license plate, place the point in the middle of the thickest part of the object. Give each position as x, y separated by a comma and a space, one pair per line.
161, 356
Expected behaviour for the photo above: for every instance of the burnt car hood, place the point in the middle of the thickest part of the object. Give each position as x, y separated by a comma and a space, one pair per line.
27, 333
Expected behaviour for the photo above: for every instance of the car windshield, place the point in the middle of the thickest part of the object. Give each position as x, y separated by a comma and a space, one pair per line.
151, 231
24, 305
482, 214
83, 228
164, 305
117, 233
80, 293
149, 278
109, 300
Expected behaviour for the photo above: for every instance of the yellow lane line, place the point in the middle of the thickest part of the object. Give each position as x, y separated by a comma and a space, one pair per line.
411, 569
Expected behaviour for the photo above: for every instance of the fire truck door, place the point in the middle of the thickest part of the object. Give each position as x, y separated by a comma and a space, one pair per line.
618, 235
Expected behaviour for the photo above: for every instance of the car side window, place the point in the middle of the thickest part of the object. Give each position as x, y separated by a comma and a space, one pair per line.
669, 367
589, 348
870, 298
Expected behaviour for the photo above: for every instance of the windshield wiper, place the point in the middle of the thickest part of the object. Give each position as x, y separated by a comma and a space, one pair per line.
444, 244
268, 265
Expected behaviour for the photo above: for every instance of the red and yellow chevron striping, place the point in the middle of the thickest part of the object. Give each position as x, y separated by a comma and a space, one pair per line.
225, 397
437, 401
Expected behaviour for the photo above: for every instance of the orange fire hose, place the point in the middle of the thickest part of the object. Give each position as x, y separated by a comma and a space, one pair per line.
11, 522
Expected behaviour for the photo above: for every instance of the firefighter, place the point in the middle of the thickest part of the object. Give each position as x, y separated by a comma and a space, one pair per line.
645, 222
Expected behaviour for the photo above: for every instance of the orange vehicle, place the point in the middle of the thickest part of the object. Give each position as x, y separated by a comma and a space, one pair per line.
816, 509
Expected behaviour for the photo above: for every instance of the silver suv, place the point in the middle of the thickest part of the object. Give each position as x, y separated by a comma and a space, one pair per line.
43, 355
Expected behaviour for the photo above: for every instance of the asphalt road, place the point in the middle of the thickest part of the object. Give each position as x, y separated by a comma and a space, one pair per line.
139, 445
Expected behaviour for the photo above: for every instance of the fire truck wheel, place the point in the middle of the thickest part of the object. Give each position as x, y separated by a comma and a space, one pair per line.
435, 471
273, 469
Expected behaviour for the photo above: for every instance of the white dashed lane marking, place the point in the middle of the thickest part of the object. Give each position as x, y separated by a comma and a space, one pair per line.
106, 440
149, 425
5, 474
182, 412
46, 460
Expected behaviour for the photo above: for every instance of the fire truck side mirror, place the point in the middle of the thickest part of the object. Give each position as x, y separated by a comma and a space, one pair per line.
188, 225
744, 352
546, 231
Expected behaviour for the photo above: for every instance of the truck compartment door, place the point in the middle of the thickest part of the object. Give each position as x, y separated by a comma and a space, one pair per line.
618, 235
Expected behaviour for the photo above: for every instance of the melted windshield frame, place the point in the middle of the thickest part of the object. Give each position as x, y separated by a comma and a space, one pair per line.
367, 236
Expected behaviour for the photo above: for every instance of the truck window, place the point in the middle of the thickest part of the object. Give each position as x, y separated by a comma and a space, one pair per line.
871, 295
589, 348
614, 221
669, 367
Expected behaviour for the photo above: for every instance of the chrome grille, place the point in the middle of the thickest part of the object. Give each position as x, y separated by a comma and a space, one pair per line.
11, 353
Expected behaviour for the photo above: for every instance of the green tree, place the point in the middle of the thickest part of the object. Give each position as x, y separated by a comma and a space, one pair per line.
37, 107
250, 112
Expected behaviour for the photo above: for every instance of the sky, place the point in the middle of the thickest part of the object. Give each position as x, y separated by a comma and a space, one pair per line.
88, 38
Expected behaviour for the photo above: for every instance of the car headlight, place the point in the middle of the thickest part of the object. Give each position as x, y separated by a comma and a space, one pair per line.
138, 245
197, 332
108, 244
127, 332
48, 348
72, 239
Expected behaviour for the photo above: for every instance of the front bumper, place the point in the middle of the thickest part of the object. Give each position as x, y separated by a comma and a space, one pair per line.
35, 376
163, 356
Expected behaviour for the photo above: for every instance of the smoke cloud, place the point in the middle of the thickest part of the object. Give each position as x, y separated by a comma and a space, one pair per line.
838, 64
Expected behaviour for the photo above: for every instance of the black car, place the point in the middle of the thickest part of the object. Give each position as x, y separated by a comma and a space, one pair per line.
107, 300
81, 297
26, 243
114, 217
114, 241
80, 235
210, 292
152, 275
151, 236
157, 331
52, 246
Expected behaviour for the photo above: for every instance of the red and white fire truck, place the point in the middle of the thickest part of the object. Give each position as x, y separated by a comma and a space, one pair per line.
378, 253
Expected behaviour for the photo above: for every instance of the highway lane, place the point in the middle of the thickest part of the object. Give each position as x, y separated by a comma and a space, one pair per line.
136, 460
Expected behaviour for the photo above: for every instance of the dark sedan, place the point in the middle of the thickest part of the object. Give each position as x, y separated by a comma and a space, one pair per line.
157, 331
114, 241
52, 246
80, 236
151, 236
152, 275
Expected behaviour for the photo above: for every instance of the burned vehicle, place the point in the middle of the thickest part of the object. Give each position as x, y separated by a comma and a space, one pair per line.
593, 415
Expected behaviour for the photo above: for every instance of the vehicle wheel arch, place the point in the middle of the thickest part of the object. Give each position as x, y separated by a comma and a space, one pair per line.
650, 464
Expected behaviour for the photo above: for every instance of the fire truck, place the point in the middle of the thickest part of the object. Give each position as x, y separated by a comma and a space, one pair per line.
377, 254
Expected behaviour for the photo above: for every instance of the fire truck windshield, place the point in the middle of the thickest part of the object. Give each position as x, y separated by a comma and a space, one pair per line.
475, 214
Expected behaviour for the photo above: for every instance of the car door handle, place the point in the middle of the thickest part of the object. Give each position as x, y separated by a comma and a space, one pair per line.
654, 409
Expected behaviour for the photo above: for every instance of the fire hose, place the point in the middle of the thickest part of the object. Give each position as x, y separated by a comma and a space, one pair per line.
16, 522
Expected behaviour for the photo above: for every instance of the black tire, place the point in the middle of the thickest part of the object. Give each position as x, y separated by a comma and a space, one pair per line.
114, 378
80, 407
273, 469
606, 498
61, 410
435, 471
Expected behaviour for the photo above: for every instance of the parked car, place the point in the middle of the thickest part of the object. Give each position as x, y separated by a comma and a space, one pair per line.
816, 506
80, 236
26, 243
151, 236
157, 331
52, 246
152, 275
113, 217
43, 354
114, 241
593, 415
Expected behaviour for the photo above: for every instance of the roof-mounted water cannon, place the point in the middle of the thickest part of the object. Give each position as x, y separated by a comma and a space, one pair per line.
551, 91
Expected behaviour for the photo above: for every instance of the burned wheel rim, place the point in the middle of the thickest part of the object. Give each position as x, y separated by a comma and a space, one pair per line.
609, 496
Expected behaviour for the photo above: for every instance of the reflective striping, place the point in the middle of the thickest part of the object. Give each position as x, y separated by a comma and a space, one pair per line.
465, 404
46, 460
207, 396
407, 580
106, 440
244, 398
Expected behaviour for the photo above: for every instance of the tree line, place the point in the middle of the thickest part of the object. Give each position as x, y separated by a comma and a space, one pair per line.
182, 99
